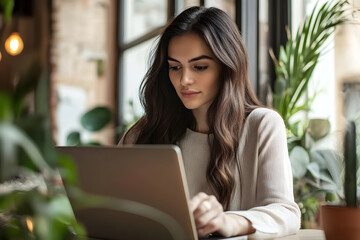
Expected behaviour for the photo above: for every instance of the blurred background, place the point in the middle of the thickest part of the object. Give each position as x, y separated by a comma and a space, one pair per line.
95, 53
72, 69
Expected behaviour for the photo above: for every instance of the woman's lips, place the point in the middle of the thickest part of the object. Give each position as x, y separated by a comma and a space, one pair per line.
189, 94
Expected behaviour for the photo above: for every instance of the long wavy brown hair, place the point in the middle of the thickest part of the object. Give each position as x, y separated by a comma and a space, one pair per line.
166, 119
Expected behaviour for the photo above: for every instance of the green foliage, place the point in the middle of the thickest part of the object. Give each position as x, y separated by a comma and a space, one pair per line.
357, 124
29, 182
93, 120
309, 208
73, 139
96, 118
350, 158
298, 59
6, 7
317, 173
5, 107
300, 160
319, 128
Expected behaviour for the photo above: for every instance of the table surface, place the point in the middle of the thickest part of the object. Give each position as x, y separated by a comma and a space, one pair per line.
303, 234
306, 234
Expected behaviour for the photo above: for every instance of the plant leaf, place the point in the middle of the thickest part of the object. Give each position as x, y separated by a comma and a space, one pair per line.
314, 169
329, 160
96, 118
6, 113
319, 128
73, 139
16, 137
299, 159
7, 6
298, 59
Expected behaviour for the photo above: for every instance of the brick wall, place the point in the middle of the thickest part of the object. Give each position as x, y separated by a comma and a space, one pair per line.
83, 52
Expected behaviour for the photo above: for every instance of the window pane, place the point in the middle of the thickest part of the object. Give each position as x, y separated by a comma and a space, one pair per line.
264, 58
142, 16
135, 67
191, 3
71, 104
323, 77
226, 5
184, 4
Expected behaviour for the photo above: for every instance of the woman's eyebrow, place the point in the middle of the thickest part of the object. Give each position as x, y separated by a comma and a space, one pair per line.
191, 60
172, 59
200, 57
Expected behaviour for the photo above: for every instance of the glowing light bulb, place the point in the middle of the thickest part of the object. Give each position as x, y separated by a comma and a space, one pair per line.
14, 44
0, 56
29, 224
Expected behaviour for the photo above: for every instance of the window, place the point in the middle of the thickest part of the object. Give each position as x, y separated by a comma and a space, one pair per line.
323, 78
140, 22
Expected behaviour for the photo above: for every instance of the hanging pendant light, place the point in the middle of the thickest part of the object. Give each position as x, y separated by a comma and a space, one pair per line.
14, 44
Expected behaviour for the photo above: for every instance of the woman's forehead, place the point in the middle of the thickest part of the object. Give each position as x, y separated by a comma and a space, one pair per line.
189, 45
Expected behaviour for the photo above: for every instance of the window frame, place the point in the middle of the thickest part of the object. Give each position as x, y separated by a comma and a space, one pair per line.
123, 46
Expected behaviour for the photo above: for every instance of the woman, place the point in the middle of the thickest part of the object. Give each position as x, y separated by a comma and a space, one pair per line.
197, 95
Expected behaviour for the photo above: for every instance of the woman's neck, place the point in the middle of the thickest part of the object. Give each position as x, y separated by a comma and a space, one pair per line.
200, 115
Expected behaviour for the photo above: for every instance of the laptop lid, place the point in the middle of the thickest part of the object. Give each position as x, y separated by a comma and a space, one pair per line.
149, 185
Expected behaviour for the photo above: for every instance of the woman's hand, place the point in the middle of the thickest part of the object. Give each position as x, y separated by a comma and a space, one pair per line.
210, 217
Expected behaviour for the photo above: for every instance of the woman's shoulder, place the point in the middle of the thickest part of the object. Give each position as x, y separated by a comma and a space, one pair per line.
130, 136
265, 116
262, 113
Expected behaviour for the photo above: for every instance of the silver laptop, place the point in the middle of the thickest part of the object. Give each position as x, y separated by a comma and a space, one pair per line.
136, 192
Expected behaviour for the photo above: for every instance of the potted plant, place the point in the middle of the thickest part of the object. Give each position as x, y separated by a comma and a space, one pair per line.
342, 221
315, 172
298, 59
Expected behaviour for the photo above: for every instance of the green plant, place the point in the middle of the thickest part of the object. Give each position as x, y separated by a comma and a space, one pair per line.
7, 7
350, 158
298, 59
93, 120
357, 125
32, 202
317, 172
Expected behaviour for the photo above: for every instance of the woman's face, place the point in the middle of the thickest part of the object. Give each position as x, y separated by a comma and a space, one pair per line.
193, 71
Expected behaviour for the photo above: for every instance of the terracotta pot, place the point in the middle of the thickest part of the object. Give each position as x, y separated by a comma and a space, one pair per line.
340, 222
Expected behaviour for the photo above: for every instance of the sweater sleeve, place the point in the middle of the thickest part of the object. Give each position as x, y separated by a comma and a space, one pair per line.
275, 212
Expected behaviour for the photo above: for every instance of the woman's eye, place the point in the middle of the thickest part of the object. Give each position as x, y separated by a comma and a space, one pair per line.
174, 68
201, 68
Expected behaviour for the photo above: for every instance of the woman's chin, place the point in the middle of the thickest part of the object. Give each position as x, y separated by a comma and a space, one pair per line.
191, 106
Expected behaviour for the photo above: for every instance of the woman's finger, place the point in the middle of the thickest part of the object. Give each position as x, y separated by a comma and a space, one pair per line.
207, 217
197, 200
210, 227
208, 204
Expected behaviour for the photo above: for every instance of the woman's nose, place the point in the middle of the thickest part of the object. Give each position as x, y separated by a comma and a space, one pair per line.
186, 78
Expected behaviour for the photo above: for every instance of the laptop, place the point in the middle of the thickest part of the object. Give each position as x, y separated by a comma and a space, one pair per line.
137, 192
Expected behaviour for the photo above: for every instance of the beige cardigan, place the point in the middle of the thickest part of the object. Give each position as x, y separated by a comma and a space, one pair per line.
264, 186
